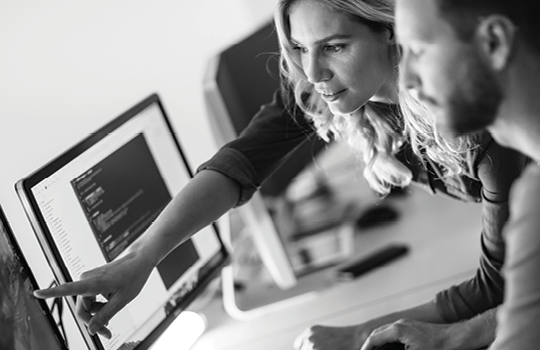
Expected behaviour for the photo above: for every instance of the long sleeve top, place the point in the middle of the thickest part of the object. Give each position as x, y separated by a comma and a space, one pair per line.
274, 133
519, 315
497, 169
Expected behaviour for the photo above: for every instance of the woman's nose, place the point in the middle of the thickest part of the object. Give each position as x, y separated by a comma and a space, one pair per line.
315, 69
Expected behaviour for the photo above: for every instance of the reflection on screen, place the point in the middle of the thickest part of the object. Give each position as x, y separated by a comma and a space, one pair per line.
23, 324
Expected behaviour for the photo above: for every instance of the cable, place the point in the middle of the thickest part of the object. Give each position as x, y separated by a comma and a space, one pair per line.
58, 305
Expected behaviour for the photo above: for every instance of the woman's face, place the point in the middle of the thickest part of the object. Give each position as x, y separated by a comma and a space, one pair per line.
347, 62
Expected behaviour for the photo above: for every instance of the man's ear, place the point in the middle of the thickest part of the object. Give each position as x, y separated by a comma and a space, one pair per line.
496, 35
391, 36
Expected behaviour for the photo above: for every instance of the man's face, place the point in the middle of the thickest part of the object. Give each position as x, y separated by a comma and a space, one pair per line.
447, 73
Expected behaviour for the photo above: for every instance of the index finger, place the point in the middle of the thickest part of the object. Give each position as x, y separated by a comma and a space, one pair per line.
83, 287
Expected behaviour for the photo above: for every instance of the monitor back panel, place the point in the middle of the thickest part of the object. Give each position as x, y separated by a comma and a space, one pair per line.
247, 77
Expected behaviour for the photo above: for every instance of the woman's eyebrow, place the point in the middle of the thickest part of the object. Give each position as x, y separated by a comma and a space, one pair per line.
325, 39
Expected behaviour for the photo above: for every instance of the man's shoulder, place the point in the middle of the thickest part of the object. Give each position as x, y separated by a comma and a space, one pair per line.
526, 190
531, 177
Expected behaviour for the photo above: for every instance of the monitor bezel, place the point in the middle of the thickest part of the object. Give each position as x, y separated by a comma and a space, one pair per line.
24, 190
28, 271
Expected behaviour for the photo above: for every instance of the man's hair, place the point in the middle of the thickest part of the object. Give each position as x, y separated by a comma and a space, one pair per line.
463, 16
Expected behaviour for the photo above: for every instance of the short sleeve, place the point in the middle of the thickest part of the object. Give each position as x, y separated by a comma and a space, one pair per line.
262, 147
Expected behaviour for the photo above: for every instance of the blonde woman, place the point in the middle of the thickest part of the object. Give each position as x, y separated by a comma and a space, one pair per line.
339, 66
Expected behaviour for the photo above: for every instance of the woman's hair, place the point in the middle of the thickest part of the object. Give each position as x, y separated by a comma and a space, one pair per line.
376, 132
456, 157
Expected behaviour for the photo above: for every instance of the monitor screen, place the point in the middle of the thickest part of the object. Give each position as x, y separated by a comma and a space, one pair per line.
26, 322
88, 205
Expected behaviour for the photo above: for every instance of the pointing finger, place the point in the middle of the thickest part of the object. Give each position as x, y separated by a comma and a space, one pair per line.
67, 289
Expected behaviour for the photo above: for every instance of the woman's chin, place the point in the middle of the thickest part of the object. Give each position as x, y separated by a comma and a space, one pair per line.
341, 110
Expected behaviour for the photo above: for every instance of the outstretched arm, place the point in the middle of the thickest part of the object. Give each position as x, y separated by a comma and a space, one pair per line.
475, 333
206, 197
227, 180
352, 337
497, 170
419, 327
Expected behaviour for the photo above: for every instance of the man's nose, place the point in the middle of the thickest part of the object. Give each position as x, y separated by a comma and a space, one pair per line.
408, 75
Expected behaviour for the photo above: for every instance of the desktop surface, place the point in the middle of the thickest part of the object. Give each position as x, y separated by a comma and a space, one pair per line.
443, 237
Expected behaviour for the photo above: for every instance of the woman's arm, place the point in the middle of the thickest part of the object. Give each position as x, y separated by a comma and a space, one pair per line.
204, 199
472, 334
497, 170
352, 337
421, 326
228, 179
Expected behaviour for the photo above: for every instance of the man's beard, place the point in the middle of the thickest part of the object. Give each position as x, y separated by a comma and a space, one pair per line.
474, 105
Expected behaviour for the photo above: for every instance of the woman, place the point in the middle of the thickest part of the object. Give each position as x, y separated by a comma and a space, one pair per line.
339, 64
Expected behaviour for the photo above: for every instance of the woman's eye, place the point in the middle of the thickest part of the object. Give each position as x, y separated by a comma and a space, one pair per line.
334, 48
299, 48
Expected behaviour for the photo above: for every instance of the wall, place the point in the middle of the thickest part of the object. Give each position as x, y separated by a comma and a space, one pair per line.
68, 67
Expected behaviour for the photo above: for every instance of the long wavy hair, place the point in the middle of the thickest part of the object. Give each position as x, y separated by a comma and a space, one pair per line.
376, 132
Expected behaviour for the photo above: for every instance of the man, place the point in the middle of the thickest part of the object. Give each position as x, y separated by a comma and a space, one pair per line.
476, 65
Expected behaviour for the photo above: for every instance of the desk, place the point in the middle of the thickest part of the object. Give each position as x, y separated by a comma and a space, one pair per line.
444, 239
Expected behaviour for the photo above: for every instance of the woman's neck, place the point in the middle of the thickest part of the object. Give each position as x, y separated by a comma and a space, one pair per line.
389, 91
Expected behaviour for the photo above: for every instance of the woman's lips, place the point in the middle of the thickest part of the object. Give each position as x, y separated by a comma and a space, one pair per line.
330, 96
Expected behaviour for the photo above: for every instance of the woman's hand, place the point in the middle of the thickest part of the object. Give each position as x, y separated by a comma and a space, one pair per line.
119, 282
332, 338
415, 335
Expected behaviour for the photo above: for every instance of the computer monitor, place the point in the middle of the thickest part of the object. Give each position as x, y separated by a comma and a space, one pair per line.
89, 204
26, 322
238, 81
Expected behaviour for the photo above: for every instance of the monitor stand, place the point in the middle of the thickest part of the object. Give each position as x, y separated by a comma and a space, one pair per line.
248, 289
